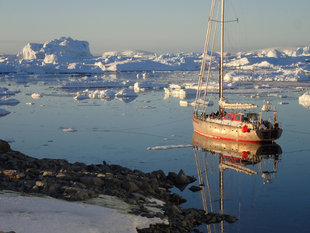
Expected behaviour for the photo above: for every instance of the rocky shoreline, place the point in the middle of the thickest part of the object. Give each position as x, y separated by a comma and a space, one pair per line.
80, 182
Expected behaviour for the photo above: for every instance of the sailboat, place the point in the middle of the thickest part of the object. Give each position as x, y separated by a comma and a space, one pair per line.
233, 121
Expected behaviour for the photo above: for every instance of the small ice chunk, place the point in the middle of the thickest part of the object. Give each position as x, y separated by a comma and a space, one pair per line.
126, 92
35, 96
202, 102
168, 147
304, 100
146, 107
80, 97
107, 94
183, 103
69, 130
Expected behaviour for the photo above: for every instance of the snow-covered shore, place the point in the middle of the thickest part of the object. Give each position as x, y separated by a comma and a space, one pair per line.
30, 214
66, 55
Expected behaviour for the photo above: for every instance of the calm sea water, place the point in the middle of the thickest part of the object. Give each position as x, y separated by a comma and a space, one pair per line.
120, 133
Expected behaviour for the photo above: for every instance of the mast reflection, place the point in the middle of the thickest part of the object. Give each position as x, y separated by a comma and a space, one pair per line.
218, 155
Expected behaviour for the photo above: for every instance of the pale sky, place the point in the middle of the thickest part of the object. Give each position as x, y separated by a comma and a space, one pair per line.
152, 25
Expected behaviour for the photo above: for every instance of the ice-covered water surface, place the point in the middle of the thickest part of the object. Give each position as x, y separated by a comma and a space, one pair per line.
93, 129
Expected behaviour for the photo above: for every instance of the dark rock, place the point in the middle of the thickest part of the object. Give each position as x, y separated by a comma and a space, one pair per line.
28, 184
172, 176
175, 198
173, 210
159, 175
130, 186
4, 146
146, 188
179, 180
77, 182
89, 180
229, 218
183, 179
195, 188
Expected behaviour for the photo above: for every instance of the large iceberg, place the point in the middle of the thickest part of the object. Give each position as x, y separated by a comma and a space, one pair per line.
63, 48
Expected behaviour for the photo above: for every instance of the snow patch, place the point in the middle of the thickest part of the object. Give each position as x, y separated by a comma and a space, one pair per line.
48, 215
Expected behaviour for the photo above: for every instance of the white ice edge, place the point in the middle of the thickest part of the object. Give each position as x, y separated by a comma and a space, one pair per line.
48, 215
166, 147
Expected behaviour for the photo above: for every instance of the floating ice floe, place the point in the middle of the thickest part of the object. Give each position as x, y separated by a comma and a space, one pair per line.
96, 82
147, 85
184, 103
11, 102
126, 92
80, 96
126, 95
69, 130
3, 112
169, 147
304, 100
35, 96
95, 94
146, 107
178, 91
107, 94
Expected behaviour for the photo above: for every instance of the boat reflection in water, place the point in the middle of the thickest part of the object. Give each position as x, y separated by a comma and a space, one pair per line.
234, 158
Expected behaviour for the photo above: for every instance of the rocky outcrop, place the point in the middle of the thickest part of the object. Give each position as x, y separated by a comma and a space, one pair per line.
77, 182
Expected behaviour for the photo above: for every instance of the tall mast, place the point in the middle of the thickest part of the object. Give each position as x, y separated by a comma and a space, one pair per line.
222, 54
